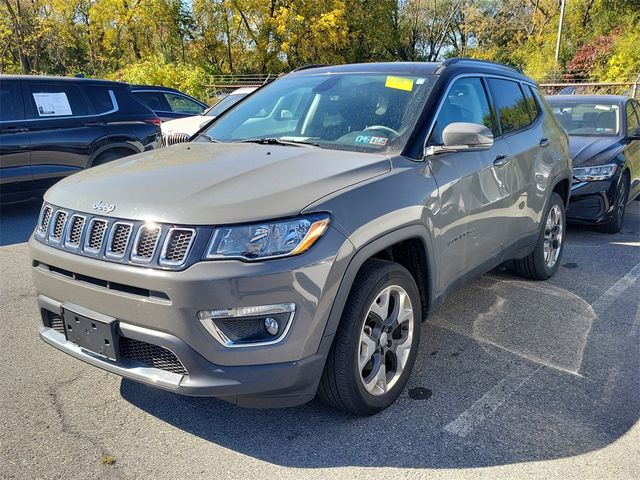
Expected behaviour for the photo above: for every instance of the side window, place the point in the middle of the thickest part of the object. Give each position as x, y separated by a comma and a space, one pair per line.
11, 107
182, 104
632, 119
510, 104
466, 101
154, 100
101, 98
56, 100
532, 103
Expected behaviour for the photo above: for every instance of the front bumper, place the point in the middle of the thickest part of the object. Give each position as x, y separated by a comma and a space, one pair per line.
160, 308
592, 202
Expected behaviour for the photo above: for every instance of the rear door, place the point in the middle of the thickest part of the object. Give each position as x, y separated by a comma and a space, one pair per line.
65, 130
522, 125
15, 162
473, 191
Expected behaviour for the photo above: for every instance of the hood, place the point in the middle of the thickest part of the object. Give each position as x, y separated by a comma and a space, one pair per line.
188, 125
205, 184
589, 151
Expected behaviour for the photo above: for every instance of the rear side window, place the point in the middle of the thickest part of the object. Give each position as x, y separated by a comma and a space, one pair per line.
466, 101
154, 100
510, 104
182, 104
11, 107
56, 100
532, 104
101, 97
632, 119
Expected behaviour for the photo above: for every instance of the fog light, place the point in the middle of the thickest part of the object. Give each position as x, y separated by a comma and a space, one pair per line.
271, 324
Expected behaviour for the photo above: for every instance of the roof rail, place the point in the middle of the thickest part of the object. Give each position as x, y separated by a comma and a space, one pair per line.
452, 61
313, 65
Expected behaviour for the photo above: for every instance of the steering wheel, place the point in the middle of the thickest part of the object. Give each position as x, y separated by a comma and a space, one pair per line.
383, 128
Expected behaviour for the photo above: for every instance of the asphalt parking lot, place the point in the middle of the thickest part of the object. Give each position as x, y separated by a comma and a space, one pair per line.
514, 379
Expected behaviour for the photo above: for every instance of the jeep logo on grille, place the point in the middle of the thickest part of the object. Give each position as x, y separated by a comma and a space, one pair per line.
104, 207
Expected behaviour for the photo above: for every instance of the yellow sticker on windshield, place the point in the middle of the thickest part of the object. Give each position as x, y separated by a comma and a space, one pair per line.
399, 83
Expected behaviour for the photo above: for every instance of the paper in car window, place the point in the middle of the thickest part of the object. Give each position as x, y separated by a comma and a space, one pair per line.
51, 104
399, 83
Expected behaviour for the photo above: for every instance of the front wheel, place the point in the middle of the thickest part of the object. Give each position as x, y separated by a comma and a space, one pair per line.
376, 343
543, 262
614, 225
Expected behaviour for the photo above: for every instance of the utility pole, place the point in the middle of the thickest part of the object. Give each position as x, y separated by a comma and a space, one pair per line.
560, 25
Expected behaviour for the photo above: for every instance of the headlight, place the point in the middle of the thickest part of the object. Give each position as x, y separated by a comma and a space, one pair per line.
267, 240
591, 174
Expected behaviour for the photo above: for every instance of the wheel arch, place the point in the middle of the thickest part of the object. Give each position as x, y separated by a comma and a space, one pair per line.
125, 147
415, 237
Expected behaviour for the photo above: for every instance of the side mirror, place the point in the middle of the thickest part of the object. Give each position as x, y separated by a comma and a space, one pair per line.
463, 137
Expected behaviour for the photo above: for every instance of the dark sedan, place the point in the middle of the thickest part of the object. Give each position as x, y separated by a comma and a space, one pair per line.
604, 137
168, 103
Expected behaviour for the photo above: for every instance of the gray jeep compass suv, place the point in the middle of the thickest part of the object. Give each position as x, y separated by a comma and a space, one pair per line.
295, 246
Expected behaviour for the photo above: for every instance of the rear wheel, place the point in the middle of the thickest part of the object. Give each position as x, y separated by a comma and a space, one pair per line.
376, 343
543, 262
614, 225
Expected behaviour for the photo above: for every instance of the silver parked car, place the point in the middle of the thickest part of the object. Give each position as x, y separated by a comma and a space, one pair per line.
296, 246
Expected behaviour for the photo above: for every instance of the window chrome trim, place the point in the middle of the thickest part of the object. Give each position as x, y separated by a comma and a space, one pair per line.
172, 263
108, 252
115, 108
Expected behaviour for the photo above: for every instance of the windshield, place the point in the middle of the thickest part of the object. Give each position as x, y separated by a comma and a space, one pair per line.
359, 112
225, 104
588, 119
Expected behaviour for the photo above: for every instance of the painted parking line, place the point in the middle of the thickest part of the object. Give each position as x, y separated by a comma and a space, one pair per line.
615, 291
491, 401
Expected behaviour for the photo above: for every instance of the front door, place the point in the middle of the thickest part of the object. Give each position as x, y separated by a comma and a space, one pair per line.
473, 189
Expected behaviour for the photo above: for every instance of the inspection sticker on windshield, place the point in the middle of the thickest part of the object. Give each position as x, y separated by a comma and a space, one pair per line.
372, 140
399, 83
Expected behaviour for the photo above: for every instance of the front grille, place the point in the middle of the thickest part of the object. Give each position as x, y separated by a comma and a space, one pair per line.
153, 356
133, 242
75, 230
146, 243
119, 239
97, 229
174, 138
177, 245
46, 217
58, 225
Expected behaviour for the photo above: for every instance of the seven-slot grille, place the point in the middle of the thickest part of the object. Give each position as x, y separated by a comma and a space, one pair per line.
58, 225
174, 138
133, 242
75, 230
119, 239
177, 245
95, 237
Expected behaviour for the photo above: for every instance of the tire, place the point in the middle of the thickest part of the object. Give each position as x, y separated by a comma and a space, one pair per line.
107, 157
369, 389
614, 225
536, 265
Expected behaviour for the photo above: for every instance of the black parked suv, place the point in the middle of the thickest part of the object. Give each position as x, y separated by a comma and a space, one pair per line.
51, 127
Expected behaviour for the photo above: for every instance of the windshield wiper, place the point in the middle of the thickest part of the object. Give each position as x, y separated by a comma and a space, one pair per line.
277, 141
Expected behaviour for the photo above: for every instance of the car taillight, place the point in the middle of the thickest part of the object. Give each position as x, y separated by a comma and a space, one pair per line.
154, 121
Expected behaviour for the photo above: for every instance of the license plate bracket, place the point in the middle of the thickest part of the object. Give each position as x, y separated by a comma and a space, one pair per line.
91, 331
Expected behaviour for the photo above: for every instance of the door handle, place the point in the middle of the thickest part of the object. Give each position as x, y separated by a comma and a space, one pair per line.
12, 129
501, 160
544, 143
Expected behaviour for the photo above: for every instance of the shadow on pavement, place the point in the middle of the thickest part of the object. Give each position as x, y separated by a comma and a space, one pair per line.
17, 221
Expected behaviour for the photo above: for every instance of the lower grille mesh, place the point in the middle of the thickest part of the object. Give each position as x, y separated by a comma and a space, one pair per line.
151, 355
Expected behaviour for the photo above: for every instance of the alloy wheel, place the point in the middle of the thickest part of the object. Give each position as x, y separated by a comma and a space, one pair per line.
385, 340
553, 236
